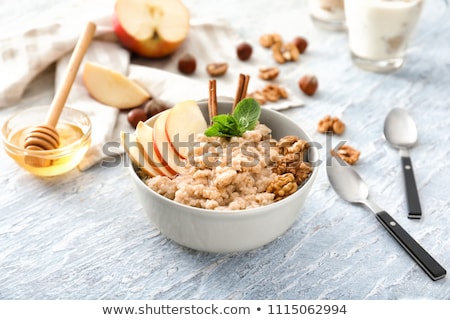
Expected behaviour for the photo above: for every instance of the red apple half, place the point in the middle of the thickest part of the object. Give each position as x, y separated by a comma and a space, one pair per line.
151, 28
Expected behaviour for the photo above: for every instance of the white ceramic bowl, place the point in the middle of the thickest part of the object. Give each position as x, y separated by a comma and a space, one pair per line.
228, 231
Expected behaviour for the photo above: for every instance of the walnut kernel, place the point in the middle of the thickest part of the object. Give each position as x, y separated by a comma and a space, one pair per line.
268, 40
283, 186
333, 124
217, 69
291, 158
285, 52
347, 153
271, 92
269, 73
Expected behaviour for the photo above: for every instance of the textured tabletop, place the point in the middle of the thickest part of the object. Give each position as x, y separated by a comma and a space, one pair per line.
85, 236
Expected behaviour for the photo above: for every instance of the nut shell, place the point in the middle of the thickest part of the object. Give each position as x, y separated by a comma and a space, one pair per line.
301, 44
152, 107
244, 51
187, 64
308, 84
135, 115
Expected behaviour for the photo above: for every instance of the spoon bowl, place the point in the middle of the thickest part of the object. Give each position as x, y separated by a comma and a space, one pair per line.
401, 132
347, 183
400, 129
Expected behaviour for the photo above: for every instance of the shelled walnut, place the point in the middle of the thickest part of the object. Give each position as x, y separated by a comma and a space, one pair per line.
217, 69
286, 52
347, 153
292, 152
270, 93
283, 186
269, 73
333, 124
283, 51
268, 40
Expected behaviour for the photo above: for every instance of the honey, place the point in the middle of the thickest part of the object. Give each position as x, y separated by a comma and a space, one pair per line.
67, 156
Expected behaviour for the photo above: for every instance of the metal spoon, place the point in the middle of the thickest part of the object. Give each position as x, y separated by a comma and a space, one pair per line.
349, 186
401, 132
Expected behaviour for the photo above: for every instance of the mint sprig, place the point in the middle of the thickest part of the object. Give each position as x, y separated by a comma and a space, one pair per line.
245, 117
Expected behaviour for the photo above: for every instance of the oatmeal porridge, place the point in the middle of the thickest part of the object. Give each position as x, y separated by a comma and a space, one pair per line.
235, 173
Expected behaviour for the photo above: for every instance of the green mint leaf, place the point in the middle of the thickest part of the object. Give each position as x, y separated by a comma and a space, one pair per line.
245, 117
223, 126
212, 131
228, 123
247, 113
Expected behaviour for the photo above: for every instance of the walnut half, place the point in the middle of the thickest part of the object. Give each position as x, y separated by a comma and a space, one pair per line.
271, 92
283, 186
269, 73
347, 153
285, 52
217, 69
292, 150
333, 124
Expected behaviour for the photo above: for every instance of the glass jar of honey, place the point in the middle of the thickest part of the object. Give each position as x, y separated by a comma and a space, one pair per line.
74, 130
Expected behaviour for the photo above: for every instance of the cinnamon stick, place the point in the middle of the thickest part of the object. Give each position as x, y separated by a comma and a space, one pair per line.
241, 91
212, 100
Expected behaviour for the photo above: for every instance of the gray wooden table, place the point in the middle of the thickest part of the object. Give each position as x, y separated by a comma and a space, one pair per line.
85, 236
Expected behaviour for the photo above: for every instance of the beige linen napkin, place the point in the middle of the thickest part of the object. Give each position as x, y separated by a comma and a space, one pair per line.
28, 49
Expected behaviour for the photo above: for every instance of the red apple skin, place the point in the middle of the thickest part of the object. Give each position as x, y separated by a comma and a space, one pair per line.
151, 48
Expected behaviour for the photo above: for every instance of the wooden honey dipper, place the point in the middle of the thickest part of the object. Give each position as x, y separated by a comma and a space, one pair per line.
45, 136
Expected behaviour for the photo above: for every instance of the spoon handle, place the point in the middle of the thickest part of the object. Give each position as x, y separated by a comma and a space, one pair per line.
415, 212
434, 270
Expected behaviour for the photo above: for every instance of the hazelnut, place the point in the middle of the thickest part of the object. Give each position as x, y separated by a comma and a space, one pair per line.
308, 84
187, 64
300, 43
217, 69
152, 107
244, 51
135, 115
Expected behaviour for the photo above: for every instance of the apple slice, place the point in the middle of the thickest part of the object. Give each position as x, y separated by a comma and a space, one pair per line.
112, 88
144, 135
151, 28
162, 146
135, 151
184, 123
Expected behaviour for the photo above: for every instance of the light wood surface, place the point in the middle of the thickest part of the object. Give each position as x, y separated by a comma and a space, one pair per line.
85, 236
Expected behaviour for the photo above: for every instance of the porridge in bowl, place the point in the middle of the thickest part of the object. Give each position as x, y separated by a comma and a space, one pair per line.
234, 164
239, 172
223, 229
